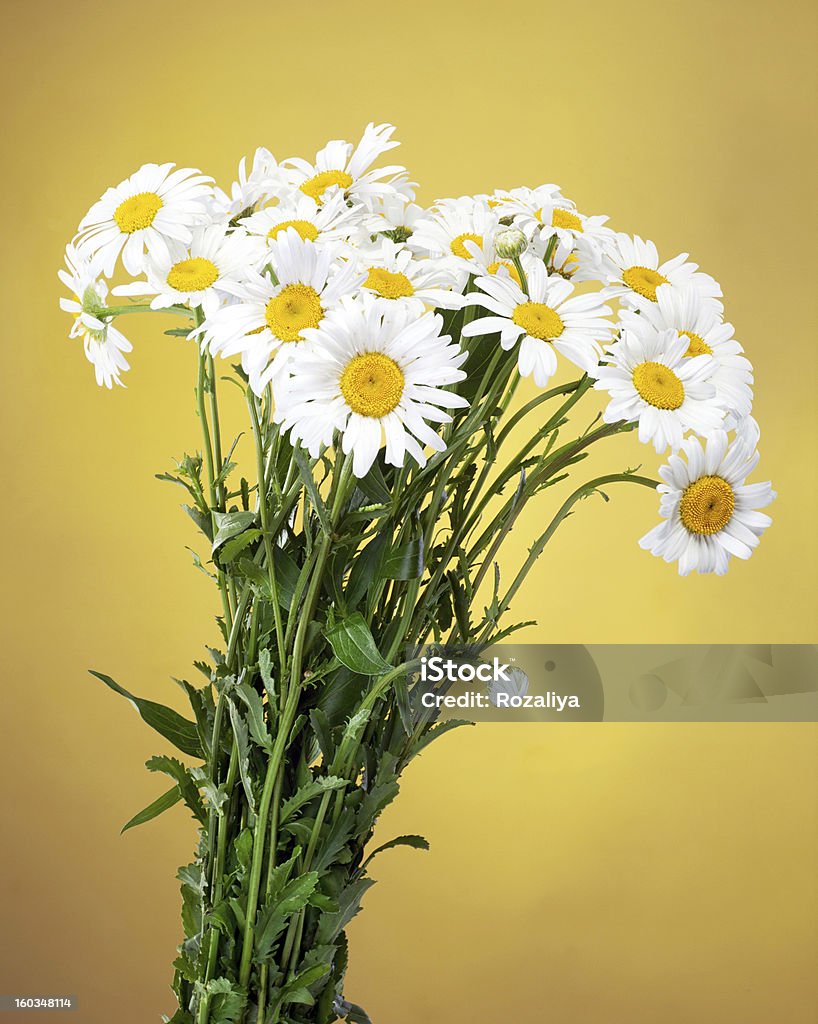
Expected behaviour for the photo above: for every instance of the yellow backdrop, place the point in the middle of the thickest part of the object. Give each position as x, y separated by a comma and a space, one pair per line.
611, 873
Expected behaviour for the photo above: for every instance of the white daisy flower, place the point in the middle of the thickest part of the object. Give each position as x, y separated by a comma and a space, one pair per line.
454, 231
204, 273
545, 319
709, 512
104, 345
149, 211
745, 428
559, 216
264, 182
632, 271
375, 372
268, 316
651, 379
514, 202
485, 261
333, 221
699, 319
395, 215
392, 273
514, 687
340, 166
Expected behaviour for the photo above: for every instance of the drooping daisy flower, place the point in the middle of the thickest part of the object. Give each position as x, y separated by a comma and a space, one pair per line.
395, 215
264, 182
339, 166
393, 273
710, 512
633, 271
333, 221
454, 231
375, 371
268, 316
546, 319
651, 379
104, 345
699, 319
149, 211
204, 273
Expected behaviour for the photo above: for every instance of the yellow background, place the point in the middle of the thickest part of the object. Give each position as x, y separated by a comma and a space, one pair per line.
608, 873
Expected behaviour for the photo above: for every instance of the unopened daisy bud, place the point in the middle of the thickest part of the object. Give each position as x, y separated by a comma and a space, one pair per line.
510, 243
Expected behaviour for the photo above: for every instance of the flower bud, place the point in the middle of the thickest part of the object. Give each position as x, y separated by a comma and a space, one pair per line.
510, 242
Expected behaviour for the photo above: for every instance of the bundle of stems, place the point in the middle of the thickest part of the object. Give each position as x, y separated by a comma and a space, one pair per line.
329, 587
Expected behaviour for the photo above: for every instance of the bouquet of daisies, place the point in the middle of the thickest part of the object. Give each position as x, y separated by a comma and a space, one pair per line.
379, 348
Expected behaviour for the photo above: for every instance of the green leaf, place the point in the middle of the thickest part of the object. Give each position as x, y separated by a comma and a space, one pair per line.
255, 718
273, 919
204, 522
404, 562
167, 722
297, 990
187, 787
374, 486
435, 731
161, 804
265, 667
178, 332
308, 792
243, 743
230, 524
323, 733
316, 500
286, 577
227, 1001
415, 842
232, 548
353, 646
349, 903
257, 577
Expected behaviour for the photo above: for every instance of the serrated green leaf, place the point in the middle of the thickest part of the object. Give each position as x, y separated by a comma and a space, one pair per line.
317, 787
187, 787
415, 842
167, 722
255, 718
353, 645
232, 548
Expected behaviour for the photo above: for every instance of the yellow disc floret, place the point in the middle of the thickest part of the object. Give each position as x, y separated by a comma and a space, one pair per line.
707, 505
644, 281
306, 230
296, 307
538, 320
566, 219
459, 249
658, 385
372, 384
389, 284
137, 212
316, 187
698, 346
193, 275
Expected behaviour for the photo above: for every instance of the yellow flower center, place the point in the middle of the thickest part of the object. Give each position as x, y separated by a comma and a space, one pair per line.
193, 275
459, 249
317, 186
707, 505
538, 320
295, 308
493, 268
389, 284
698, 346
658, 385
566, 219
644, 281
372, 384
306, 230
137, 212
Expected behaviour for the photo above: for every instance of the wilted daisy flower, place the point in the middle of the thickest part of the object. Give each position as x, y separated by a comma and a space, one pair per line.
204, 273
633, 271
513, 202
333, 221
547, 318
745, 428
393, 273
149, 211
485, 261
699, 319
339, 166
454, 231
267, 317
264, 182
709, 510
103, 343
375, 371
651, 379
